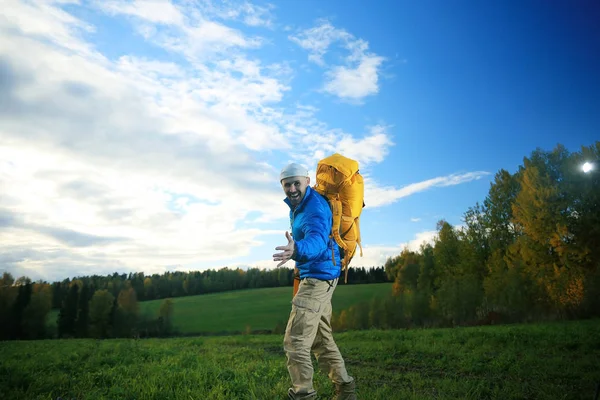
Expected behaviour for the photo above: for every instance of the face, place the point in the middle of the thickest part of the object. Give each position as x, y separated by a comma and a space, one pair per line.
295, 188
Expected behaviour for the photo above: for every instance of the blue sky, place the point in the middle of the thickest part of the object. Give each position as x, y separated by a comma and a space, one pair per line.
148, 136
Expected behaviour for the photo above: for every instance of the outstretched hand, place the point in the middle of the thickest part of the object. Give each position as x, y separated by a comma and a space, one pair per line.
287, 252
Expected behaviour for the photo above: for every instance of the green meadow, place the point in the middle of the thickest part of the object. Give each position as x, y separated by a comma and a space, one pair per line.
557, 360
252, 309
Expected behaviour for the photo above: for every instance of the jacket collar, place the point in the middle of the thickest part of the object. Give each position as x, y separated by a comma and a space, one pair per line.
308, 193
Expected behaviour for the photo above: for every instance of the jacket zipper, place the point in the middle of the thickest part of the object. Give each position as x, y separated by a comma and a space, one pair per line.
292, 224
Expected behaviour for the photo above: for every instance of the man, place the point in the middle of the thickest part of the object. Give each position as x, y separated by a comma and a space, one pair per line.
317, 259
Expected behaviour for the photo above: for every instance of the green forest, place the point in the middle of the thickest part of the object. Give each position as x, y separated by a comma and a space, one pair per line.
529, 251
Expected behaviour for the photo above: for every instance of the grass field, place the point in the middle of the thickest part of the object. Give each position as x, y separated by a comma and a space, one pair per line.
258, 309
537, 361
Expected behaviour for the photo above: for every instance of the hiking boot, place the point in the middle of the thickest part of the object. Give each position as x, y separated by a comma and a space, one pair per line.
293, 396
345, 391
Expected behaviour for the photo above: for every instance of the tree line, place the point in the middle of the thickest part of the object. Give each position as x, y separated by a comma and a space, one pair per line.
108, 306
530, 251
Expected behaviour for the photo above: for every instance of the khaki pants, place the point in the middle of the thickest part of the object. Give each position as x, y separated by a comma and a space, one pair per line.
309, 328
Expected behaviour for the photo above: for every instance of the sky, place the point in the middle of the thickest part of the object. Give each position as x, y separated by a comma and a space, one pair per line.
147, 136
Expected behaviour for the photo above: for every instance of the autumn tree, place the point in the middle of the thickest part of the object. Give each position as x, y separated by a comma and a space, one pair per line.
68, 313
100, 309
148, 289
475, 246
498, 217
425, 282
36, 312
408, 271
83, 311
16, 325
165, 316
127, 313
546, 210
446, 252
8, 294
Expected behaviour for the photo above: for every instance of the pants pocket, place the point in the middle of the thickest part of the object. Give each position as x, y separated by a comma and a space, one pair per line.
307, 304
305, 319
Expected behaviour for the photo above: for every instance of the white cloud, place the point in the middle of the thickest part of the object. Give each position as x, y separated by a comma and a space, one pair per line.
157, 11
377, 196
355, 83
318, 140
242, 11
358, 77
318, 39
42, 20
372, 148
187, 30
415, 219
254, 15
166, 12
133, 66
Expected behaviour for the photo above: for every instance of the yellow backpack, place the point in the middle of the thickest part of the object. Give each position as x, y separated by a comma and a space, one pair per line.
339, 180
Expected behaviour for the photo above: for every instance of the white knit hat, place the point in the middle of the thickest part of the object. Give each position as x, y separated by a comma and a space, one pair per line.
293, 169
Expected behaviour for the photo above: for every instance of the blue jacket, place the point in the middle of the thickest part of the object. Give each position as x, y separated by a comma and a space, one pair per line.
311, 229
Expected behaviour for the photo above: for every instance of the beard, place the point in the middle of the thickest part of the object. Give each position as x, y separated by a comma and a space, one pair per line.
296, 197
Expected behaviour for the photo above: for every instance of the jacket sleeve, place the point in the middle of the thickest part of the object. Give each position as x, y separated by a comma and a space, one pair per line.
316, 236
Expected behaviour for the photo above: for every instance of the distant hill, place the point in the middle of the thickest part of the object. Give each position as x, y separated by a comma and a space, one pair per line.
247, 310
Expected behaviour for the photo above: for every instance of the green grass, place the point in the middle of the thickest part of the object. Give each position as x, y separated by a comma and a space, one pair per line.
260, 309
539, 361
